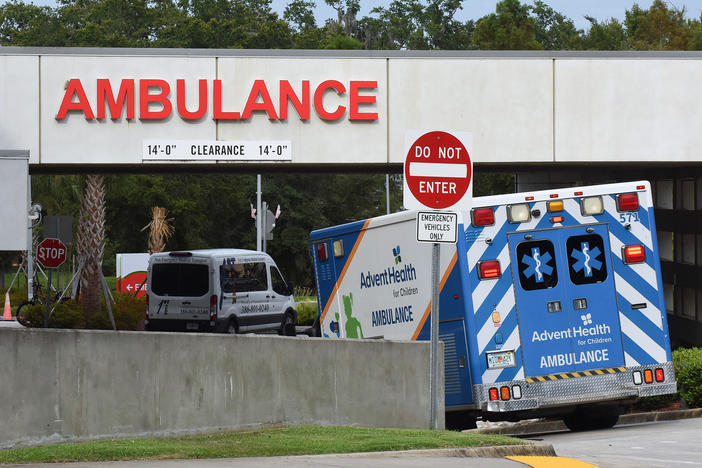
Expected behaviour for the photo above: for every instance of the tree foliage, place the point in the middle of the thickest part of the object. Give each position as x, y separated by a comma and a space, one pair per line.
213, 210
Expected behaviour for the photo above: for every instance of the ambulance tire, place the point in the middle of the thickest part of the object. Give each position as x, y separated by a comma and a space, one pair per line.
460, 420
287, 327
589, 419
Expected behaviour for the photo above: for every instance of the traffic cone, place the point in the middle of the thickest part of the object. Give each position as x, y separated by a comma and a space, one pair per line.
7, 313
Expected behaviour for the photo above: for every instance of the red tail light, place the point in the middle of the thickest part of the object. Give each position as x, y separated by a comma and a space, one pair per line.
494, 395
628, 202
213, 307
489, 269
660, 377
322, 254
634, 254
483, 217
147, 305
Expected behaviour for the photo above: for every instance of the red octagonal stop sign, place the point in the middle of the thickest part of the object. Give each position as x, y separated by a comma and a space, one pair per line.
437, 171
51, 253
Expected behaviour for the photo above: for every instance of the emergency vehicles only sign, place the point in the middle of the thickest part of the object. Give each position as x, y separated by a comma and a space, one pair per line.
437, 226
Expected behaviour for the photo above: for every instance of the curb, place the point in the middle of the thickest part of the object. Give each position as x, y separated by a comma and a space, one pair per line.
550, 426
500, 451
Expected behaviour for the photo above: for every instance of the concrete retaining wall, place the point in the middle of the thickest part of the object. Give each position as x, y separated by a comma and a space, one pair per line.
69, 384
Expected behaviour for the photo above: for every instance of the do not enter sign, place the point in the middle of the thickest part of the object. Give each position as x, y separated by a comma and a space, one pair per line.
51, 253
438, 172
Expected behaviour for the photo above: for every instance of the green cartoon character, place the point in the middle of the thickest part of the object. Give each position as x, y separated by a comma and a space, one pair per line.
353, 326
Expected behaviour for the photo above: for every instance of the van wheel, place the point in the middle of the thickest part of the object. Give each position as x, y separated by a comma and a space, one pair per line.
232, 327
287, 328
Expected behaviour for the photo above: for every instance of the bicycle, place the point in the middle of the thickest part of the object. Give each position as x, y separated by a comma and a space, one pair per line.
37, 299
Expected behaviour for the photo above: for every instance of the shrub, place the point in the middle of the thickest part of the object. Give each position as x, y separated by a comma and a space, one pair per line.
66, 314
128, 312
306, 312
688, 373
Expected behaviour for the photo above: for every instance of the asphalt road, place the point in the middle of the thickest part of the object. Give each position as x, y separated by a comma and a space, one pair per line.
653, 444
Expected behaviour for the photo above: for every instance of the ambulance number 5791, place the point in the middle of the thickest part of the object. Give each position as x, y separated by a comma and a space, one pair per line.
628, 217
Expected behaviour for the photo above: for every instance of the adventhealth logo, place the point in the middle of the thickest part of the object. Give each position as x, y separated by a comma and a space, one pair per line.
396, 253
391, 275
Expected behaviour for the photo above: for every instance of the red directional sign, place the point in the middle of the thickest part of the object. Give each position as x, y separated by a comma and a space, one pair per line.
51, 253
438, 172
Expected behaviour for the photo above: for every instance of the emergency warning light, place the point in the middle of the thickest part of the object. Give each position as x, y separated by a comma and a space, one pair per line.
634, 254
489, 269
591, 206
628, 202
518, 213
483, 217
322, 254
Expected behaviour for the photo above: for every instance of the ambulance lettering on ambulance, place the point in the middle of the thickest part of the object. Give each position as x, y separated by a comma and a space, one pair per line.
551, 302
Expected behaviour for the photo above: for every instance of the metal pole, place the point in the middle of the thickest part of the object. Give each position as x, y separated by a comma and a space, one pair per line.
30, 244
259, 212
387, 191
264, 222
48, 301
434, 357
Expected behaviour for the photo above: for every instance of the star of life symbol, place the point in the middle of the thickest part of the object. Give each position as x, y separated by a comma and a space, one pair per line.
586, 259
537, 265
587, 319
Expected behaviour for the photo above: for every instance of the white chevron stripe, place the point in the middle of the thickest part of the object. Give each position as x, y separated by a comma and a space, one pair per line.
512, 343
482, 290
644, 270
630, 361
640, 231
653, 349
504, 307
476, 251
651, 312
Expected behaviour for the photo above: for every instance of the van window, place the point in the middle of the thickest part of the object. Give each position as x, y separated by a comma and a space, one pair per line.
243, 277
277, 281
180, 279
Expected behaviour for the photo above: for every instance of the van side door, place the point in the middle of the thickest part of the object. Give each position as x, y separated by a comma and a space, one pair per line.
279, 292
255, 313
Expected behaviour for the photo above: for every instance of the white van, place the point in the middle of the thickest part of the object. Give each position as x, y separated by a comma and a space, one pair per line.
218, 290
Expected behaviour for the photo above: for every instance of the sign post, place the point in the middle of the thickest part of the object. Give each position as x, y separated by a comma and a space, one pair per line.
51, 253
438, 172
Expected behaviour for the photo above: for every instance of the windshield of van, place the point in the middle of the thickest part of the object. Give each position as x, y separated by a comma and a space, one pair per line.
180, 279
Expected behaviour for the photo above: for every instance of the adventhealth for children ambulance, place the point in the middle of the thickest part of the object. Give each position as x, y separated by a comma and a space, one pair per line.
551, 302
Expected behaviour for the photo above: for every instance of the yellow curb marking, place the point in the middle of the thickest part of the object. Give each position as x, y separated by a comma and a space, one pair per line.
549, 462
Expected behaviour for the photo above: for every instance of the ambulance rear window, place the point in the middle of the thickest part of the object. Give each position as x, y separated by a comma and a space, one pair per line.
586, 259
180, 279
537, 265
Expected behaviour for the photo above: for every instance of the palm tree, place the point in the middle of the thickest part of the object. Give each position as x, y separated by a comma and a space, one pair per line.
160, 229
90, 243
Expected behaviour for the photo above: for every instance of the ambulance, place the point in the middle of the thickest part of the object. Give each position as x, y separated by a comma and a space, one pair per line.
551, 302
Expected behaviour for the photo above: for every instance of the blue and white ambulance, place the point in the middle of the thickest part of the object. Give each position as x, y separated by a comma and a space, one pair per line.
551, 302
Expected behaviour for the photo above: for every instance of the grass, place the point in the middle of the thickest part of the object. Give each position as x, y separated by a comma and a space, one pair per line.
299, 440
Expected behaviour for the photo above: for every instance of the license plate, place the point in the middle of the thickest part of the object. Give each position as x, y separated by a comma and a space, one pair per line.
500, 359
192, 326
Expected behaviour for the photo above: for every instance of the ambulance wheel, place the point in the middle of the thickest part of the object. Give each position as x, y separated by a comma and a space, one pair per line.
287, 328
588, 419
232, 327
460, 421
